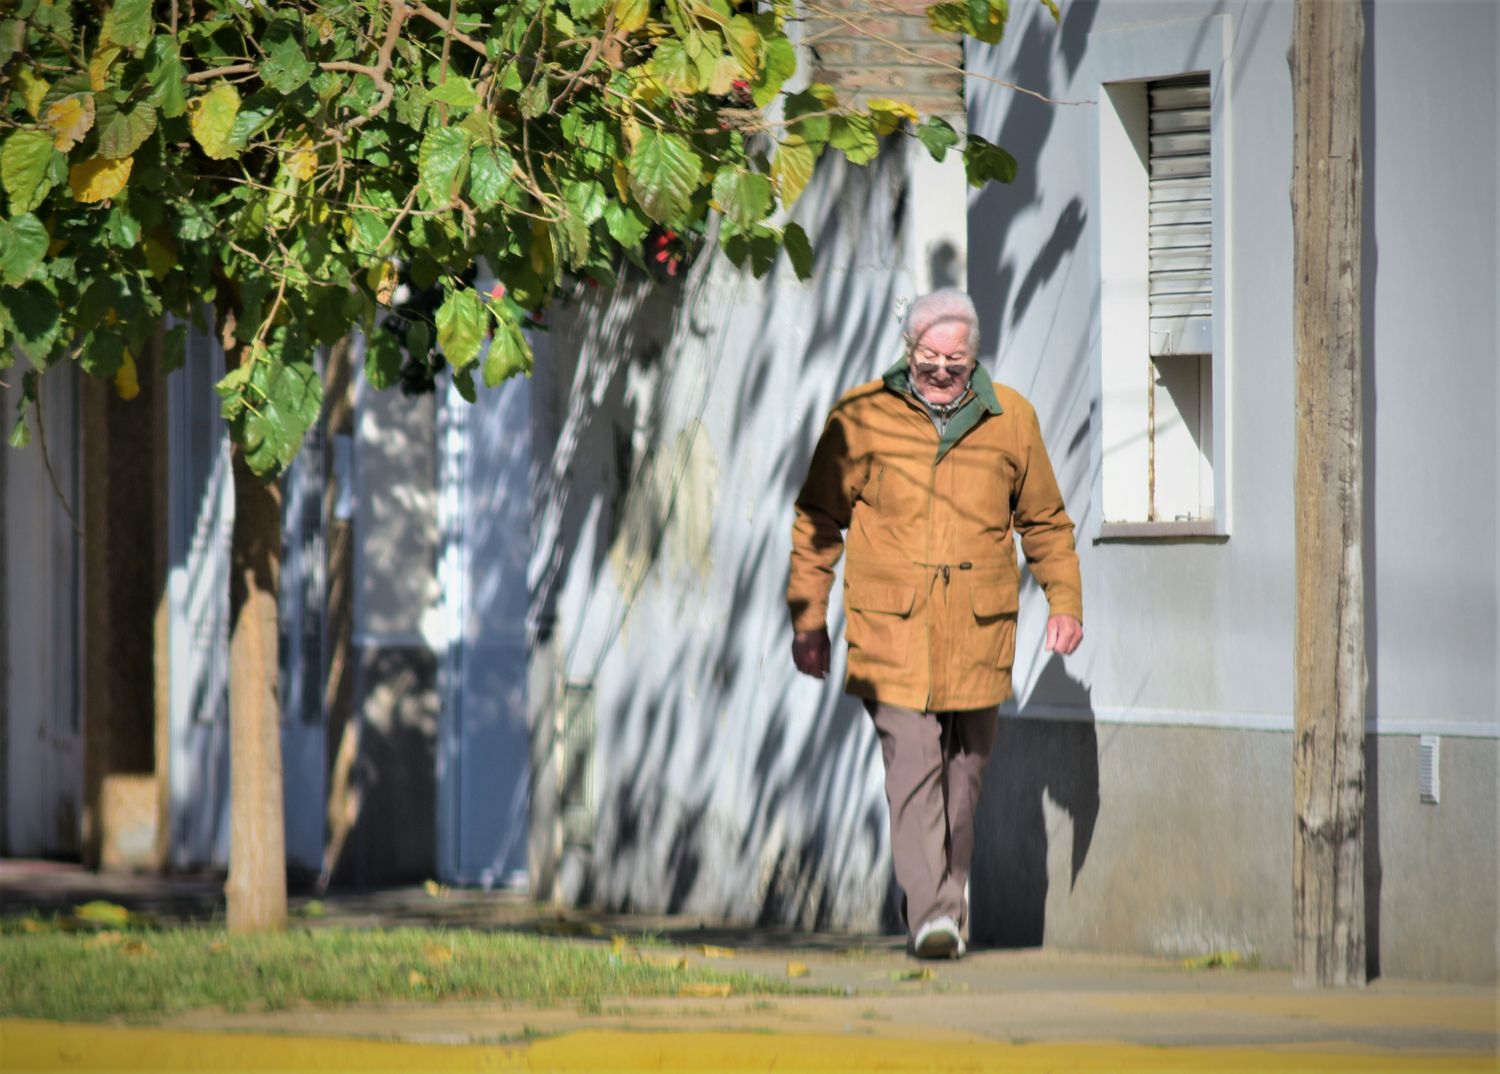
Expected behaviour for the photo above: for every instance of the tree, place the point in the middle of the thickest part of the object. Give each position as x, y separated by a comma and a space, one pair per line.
286, 166
1329, 696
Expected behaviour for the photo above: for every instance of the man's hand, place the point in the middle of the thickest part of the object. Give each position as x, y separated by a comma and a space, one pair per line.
1063, 634
810, 652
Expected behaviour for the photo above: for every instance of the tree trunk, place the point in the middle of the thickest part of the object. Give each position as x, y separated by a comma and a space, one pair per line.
1329, 695
256, 891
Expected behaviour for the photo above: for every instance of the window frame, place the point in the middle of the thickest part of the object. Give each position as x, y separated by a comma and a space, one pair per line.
1133, 56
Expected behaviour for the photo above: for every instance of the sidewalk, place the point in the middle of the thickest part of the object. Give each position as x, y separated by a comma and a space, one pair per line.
1020, 1011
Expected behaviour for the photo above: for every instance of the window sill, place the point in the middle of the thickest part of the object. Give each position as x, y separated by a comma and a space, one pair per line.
1207, 529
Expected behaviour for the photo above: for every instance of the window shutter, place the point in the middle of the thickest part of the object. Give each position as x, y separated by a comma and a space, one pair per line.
1181, 271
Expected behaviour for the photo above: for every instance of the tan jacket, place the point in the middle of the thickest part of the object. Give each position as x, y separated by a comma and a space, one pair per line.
931, 585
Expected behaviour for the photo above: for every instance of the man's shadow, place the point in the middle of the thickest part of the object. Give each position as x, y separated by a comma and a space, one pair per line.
1033, 756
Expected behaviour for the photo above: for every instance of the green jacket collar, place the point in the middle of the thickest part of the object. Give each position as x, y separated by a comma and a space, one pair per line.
966, 416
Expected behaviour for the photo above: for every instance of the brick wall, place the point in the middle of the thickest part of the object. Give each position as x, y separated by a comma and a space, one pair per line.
884, 48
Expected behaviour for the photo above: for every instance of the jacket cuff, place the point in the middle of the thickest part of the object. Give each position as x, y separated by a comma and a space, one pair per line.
810, 619
1067, 607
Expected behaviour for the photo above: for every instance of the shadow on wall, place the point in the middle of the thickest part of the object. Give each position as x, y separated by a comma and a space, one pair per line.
1036, 759
729, 786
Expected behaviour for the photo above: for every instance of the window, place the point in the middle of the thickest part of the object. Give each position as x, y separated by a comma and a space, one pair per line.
1162, 351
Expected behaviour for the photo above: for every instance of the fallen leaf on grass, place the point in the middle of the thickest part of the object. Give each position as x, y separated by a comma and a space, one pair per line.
416, 979
107, 938
100, 912
926, 973
438, 953
1226, 960
217, 946
313, 908
667, 962
705, 989
564, 927
436, 890
797, 969
135, 947
710, 951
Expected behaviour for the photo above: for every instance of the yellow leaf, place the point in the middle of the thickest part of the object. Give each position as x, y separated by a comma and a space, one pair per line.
98, 179
792, 168
622, 182
416, 979
924, 974
437, 953
303, 162
797, 969
677, 962
127, 383
825, 95
100, 912
541, 249
710, 951
218, 946
211, 117
617, 945
135, 947
70, 119
33, 89
99, 65
705, 989
31, 924
382, 280
630, 15
107, 938
725, 73
888, 114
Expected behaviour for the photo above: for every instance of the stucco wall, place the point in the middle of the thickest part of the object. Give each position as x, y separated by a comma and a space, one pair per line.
1141, 795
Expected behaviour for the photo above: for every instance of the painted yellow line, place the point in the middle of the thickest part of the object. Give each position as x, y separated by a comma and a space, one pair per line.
27, 1046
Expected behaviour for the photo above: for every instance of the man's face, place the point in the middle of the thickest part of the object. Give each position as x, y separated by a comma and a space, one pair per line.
940, 362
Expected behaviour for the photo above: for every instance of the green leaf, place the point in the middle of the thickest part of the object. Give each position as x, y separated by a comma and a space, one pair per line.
128, 23
854, 135
25, 169
102, 354
536, 100
174, 349
509, 353
287, 403
664, 171
166, 74
586, 198
744, 45
463, 380
983, 162
212, 118
743, 196
122, 230
987, 19
23, 244
586, 10
1051, 6
938, 136
441, 161
20, 435
455, 91
780, 65
286, 66
672, 66
121, 133
813, 130
461, 321
35, 320
798, 250
490, 169
383, 358
627, 225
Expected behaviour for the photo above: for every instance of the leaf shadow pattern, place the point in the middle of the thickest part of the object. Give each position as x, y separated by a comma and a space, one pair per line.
671, 430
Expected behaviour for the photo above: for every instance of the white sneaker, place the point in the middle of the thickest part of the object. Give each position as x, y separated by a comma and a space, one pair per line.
939, 938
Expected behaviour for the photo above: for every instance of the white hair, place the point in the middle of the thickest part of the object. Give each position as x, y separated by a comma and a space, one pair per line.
949, 304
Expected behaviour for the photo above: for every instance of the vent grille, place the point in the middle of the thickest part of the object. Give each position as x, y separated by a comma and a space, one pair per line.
1427, 768
1181, 226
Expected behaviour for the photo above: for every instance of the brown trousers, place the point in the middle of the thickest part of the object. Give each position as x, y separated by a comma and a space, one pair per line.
934, 769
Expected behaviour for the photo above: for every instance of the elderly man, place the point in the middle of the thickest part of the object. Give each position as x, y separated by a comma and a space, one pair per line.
929, 470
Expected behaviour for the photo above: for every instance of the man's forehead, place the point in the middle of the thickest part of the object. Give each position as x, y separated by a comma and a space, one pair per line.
948, 330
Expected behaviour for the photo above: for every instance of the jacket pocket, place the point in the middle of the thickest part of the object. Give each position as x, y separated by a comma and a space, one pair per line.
879, 624
994, 608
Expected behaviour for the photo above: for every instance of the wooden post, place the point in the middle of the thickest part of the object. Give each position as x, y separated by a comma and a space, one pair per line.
1329, 694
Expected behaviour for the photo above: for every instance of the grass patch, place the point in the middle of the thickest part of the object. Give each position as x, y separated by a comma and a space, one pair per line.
144, 973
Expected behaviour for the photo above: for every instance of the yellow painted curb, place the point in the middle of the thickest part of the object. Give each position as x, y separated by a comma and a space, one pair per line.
30, 1046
